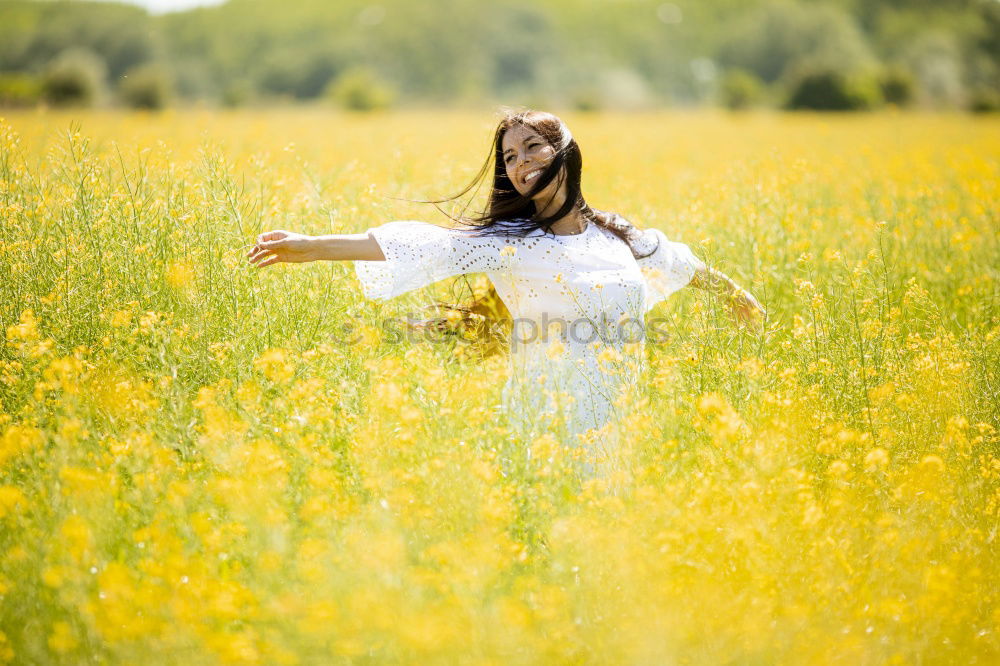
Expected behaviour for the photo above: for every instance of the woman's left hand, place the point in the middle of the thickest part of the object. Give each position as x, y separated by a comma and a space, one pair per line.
746, 308
285, 246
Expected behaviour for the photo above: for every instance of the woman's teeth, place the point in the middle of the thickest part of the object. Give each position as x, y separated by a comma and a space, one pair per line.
532, 175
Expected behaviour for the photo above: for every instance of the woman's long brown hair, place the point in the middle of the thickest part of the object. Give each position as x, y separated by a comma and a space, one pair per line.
485, 320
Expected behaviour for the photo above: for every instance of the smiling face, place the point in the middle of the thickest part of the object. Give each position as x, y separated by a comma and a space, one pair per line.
526, 154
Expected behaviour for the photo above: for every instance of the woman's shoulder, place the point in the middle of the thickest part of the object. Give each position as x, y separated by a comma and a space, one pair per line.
642, 242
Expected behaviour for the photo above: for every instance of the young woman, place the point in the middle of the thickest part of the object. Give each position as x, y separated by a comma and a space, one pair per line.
576, 281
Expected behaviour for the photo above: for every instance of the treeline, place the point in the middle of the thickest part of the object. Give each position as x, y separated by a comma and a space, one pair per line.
586, 54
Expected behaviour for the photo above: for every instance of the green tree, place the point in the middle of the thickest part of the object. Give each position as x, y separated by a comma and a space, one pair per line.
76, 77
19, 90
34, 33
146, 87
739, 89
834, 90
361, 89
781, 37
898, 86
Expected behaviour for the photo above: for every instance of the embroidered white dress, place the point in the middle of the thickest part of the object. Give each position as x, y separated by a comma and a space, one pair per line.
578, 303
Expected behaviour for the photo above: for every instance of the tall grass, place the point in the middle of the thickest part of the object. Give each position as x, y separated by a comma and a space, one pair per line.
196, 466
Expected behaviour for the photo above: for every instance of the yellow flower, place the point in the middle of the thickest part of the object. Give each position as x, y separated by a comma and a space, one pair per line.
508, 251
180, 274
411, 415
876, 458
812, 515
11, 498
53, 576
148, 322
76, 536
6, 651
81, 480
556, 349
838, 468
42, 348
62, 639
544, 447
275, 365
711, 403
19, 439
932, 463
718, 417
27, 329
609, 355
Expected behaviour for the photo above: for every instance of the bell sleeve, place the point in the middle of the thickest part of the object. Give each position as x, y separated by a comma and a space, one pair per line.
670, 267
419, 253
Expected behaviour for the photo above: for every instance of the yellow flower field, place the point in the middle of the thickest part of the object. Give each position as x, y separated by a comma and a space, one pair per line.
203, 462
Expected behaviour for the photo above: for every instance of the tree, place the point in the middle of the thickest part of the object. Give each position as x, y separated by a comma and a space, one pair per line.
781, 37
898, 86
19, 90
361, 89
833, 90
146, 87
740, 89
74, 78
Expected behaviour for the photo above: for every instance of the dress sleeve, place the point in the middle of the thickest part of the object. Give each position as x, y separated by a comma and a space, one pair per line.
419, 253
669, 268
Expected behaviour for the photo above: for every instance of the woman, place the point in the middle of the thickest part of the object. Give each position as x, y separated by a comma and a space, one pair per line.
576, 281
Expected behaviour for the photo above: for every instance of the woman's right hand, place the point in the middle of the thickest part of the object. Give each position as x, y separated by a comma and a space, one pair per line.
746, 308
287, 246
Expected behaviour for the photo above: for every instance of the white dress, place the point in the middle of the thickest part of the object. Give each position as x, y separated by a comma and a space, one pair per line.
577, 302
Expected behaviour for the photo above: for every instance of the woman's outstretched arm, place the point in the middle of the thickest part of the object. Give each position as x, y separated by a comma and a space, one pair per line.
289, 247
744, 306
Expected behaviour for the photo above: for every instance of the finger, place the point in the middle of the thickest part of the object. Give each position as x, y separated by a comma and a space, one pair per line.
262, 254
273, 259
254, 254
270, 246
271, 235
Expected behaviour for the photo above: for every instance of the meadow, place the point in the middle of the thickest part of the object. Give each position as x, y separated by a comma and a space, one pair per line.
202, 462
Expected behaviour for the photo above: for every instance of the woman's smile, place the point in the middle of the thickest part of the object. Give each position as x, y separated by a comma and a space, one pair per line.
525, 156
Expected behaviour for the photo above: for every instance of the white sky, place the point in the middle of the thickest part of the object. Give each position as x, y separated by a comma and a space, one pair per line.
164, 6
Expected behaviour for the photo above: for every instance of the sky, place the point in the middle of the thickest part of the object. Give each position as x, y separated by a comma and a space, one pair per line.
164, 6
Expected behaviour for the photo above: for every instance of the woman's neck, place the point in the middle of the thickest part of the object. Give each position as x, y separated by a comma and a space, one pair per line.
569, 224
